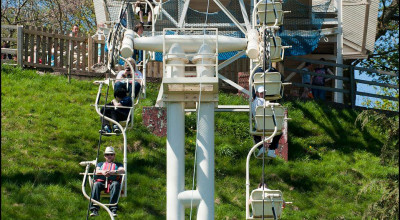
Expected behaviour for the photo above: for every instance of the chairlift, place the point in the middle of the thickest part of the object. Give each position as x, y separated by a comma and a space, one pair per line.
272, 200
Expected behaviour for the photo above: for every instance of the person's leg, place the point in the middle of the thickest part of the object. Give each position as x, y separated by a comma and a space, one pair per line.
137, 89
114, 194
97, 187
118, 85
257, 139
322, 95
275, 142
106, 113
141, 16
120, 115
316, 93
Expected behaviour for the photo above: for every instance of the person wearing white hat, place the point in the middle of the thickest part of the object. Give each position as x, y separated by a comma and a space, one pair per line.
108, 179
259, 101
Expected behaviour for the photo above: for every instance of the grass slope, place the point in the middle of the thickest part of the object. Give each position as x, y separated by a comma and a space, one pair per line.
48, 127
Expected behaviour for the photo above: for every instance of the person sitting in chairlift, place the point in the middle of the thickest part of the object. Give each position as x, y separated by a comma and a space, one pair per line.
127, 74
107, 179
117, 114
138, 54
144, 10
259, 101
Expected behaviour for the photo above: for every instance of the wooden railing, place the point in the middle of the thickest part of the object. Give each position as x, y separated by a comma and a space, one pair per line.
349, 82
51, 49
17, 39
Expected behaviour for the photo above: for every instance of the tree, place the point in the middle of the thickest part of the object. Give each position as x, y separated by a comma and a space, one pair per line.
55, 14
386, 54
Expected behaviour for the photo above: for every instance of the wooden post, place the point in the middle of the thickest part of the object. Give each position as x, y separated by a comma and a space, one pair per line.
20, 45
56, 50
90, 53
38, 43
49, 47
44, 47
26, 45
352, 87
96, 51
62, 57
70, 56
32, 46
84, 56
102, 49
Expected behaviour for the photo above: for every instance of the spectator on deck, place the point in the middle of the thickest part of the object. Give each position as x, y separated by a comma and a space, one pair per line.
306, 79
320, 81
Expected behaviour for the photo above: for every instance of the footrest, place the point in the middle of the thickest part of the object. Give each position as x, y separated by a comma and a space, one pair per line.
108, 134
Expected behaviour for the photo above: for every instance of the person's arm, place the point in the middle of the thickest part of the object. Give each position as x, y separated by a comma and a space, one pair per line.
120, 170
116, 102
98, 169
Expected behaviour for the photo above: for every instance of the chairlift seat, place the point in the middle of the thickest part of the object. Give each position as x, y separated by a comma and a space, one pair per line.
269, 195
276, 49
273, 84
103, 193
270, 20
269, 124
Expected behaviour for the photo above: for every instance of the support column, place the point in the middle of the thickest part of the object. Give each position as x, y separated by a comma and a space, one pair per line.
338, 96
175, 159
205, 139
175, 140
205, 162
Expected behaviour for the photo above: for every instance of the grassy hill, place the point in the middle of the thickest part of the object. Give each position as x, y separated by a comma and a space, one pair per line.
48, 127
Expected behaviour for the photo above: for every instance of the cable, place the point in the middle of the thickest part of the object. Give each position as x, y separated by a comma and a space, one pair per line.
266, 55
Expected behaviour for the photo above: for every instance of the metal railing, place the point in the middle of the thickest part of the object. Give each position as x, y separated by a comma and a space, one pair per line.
350, 83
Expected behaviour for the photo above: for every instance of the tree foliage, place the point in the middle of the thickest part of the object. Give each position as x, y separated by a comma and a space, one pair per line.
387, 207
386, 54
54, 14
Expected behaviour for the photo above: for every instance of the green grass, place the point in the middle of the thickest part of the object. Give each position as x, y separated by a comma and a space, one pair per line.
48, 127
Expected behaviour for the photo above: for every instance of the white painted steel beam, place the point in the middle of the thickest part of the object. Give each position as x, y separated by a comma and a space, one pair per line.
233, 19
183, 15
169, 17
190, 43
244, 14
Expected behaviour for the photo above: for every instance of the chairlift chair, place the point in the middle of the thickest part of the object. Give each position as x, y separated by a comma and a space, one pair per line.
273, 200
268, 128
271, 18
273, 84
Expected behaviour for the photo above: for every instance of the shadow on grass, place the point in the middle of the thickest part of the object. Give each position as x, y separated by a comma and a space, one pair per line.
337, 132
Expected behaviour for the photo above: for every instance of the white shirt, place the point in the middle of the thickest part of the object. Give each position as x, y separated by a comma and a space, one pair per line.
138, 75
256, 102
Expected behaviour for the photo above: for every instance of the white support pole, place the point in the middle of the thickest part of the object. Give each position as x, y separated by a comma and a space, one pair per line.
175, 144
205, 140
338, 96
205, 161
175, 159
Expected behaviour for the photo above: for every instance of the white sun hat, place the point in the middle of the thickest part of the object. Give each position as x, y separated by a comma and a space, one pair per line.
109, 150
